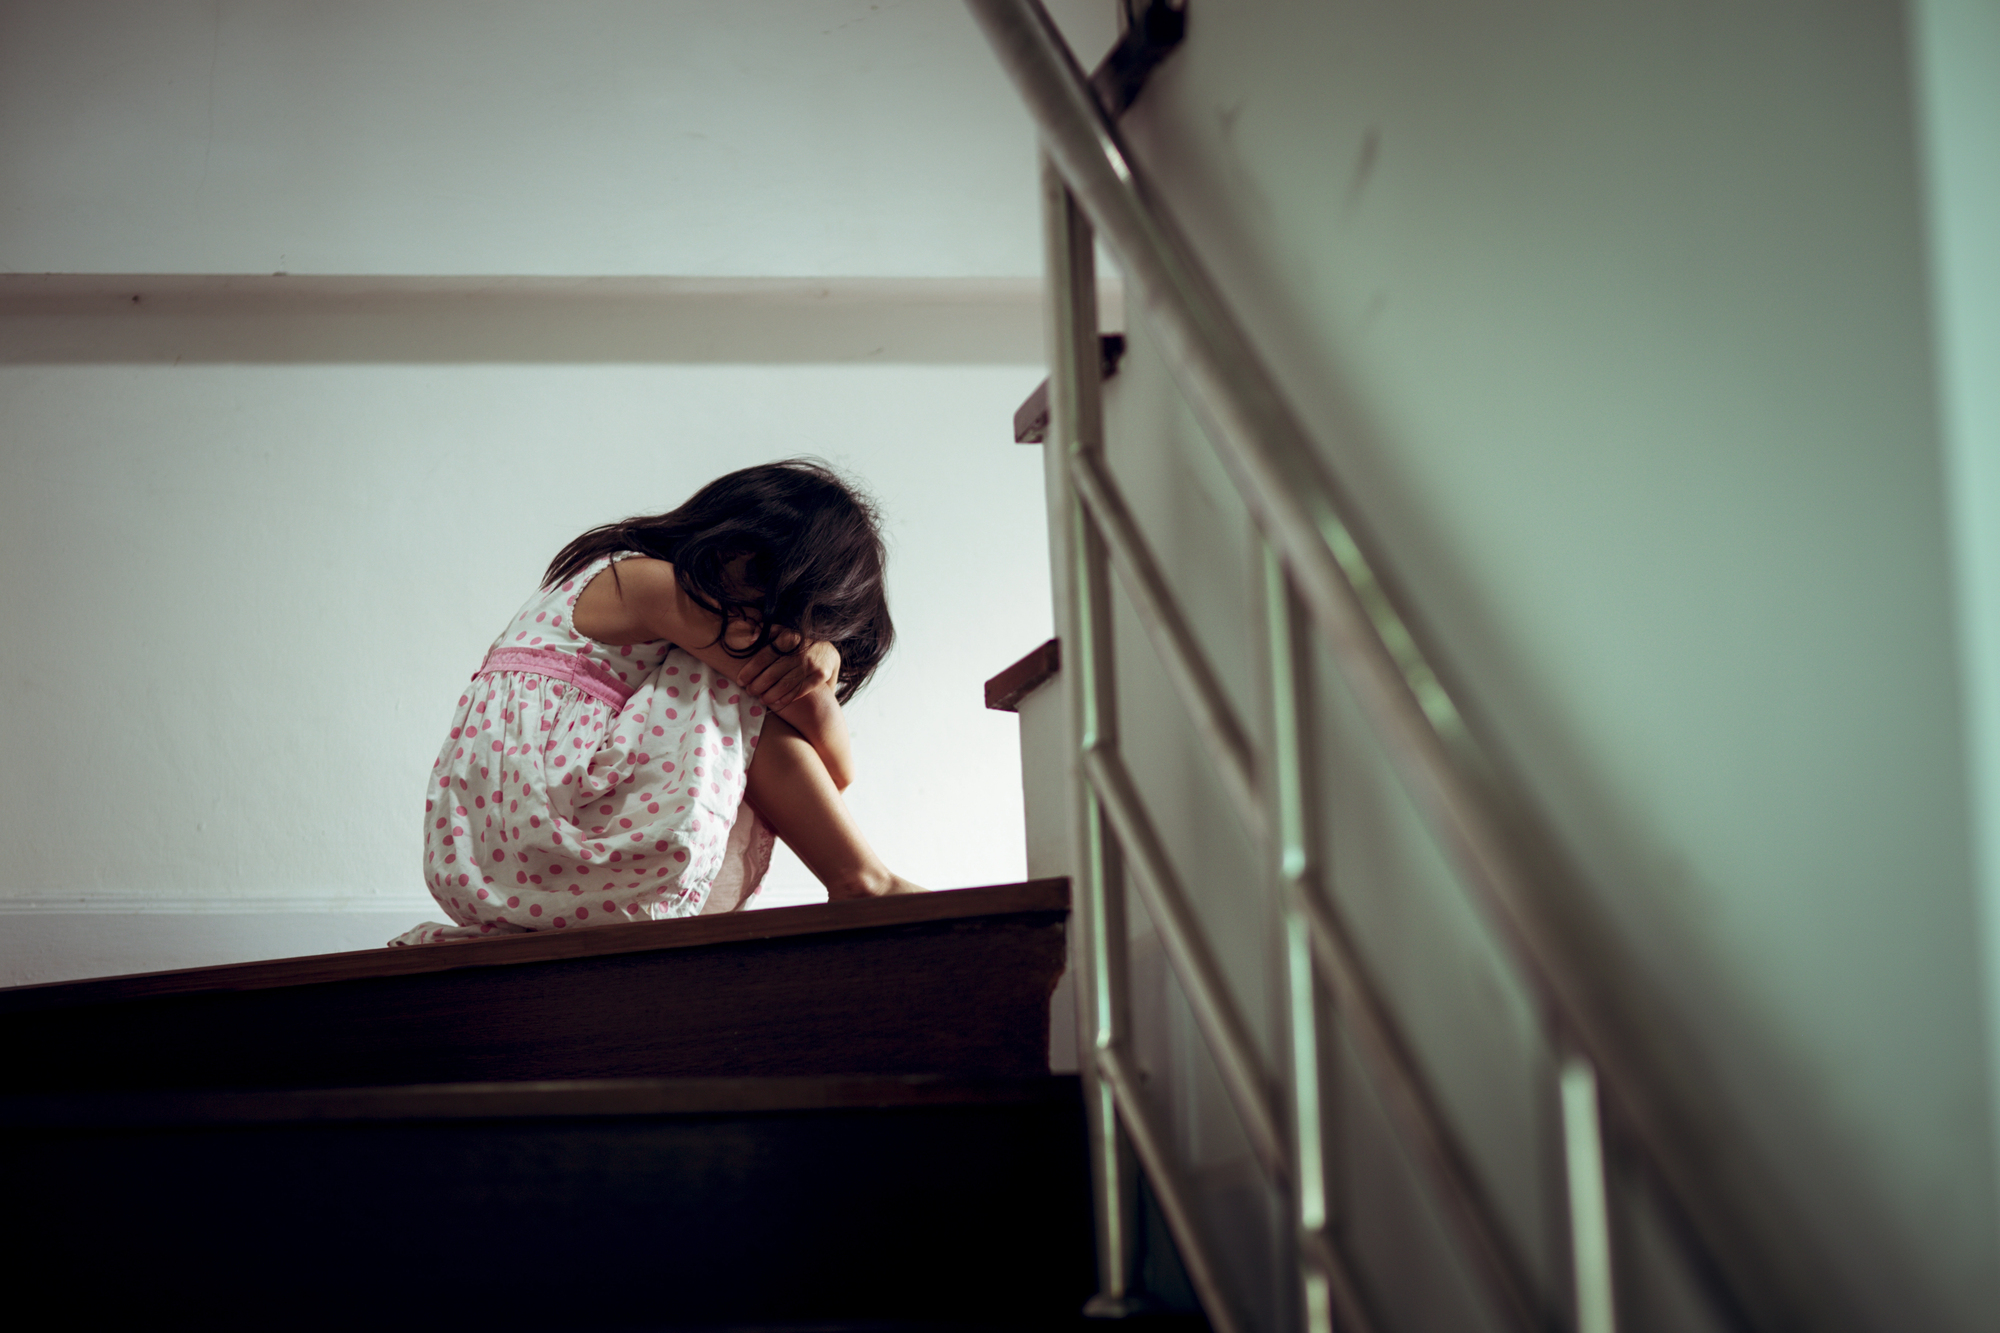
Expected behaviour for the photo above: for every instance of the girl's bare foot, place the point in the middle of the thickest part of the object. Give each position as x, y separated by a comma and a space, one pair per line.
790, 788
870, 886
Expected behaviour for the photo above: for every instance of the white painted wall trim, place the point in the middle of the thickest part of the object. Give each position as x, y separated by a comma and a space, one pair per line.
144, 904
92, 318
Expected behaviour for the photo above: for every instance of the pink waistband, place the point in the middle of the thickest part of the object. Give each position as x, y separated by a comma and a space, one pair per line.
586, 673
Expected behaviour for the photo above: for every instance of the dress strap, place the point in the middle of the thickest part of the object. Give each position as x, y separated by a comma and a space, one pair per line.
586, 673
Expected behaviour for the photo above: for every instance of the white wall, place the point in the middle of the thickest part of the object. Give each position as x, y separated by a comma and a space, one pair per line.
243, 599
1617, 323
815, 138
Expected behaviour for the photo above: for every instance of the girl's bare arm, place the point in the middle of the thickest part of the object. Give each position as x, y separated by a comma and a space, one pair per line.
646, 602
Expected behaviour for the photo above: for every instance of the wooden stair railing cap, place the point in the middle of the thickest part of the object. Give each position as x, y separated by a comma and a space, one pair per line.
1047, 896
1005, 691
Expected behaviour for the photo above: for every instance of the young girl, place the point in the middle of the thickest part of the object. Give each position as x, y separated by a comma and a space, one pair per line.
668, 701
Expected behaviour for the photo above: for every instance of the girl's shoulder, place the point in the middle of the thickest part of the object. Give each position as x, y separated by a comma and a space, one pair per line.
629, 604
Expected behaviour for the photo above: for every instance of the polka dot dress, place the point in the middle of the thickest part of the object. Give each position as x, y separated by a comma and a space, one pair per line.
553, 806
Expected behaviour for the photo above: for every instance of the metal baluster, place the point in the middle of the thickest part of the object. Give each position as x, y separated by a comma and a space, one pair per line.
1589, 1209
1331, 1296
1076, 426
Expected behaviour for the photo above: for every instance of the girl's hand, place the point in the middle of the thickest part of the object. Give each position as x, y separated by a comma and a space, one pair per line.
784, 672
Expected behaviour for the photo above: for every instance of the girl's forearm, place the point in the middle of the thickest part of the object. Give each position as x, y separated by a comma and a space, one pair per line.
819, 719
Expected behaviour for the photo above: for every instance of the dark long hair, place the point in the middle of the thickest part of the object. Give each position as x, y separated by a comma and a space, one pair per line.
816, 559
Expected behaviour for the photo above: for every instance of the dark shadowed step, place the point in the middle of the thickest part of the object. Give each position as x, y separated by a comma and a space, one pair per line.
625, 1204
954, 983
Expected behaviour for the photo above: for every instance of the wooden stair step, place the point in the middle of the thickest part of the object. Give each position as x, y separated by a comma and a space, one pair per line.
626, 1203
951, 983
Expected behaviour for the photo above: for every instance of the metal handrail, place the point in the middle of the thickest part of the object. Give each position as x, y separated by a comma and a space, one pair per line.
1274, 465
1406, 1095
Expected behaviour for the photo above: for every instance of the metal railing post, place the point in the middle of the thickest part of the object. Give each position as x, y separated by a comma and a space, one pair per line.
1076, 427
1331, 1296
1589, 1206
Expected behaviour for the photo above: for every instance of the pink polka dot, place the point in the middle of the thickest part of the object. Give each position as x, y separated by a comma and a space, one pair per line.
694, 677
624, 823
671, 715
729, 740
609, 906
560, 923
540, 618
659, 731
581, 913
653, 808
514, 902
680, 855
464, 880
534, 909
482, 893
603, 809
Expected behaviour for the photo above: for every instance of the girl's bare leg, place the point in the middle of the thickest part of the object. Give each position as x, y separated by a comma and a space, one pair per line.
789, 788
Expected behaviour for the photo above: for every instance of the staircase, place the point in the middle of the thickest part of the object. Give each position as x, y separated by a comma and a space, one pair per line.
832, 1116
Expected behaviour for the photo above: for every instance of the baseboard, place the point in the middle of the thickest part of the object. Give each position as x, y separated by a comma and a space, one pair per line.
105, 937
